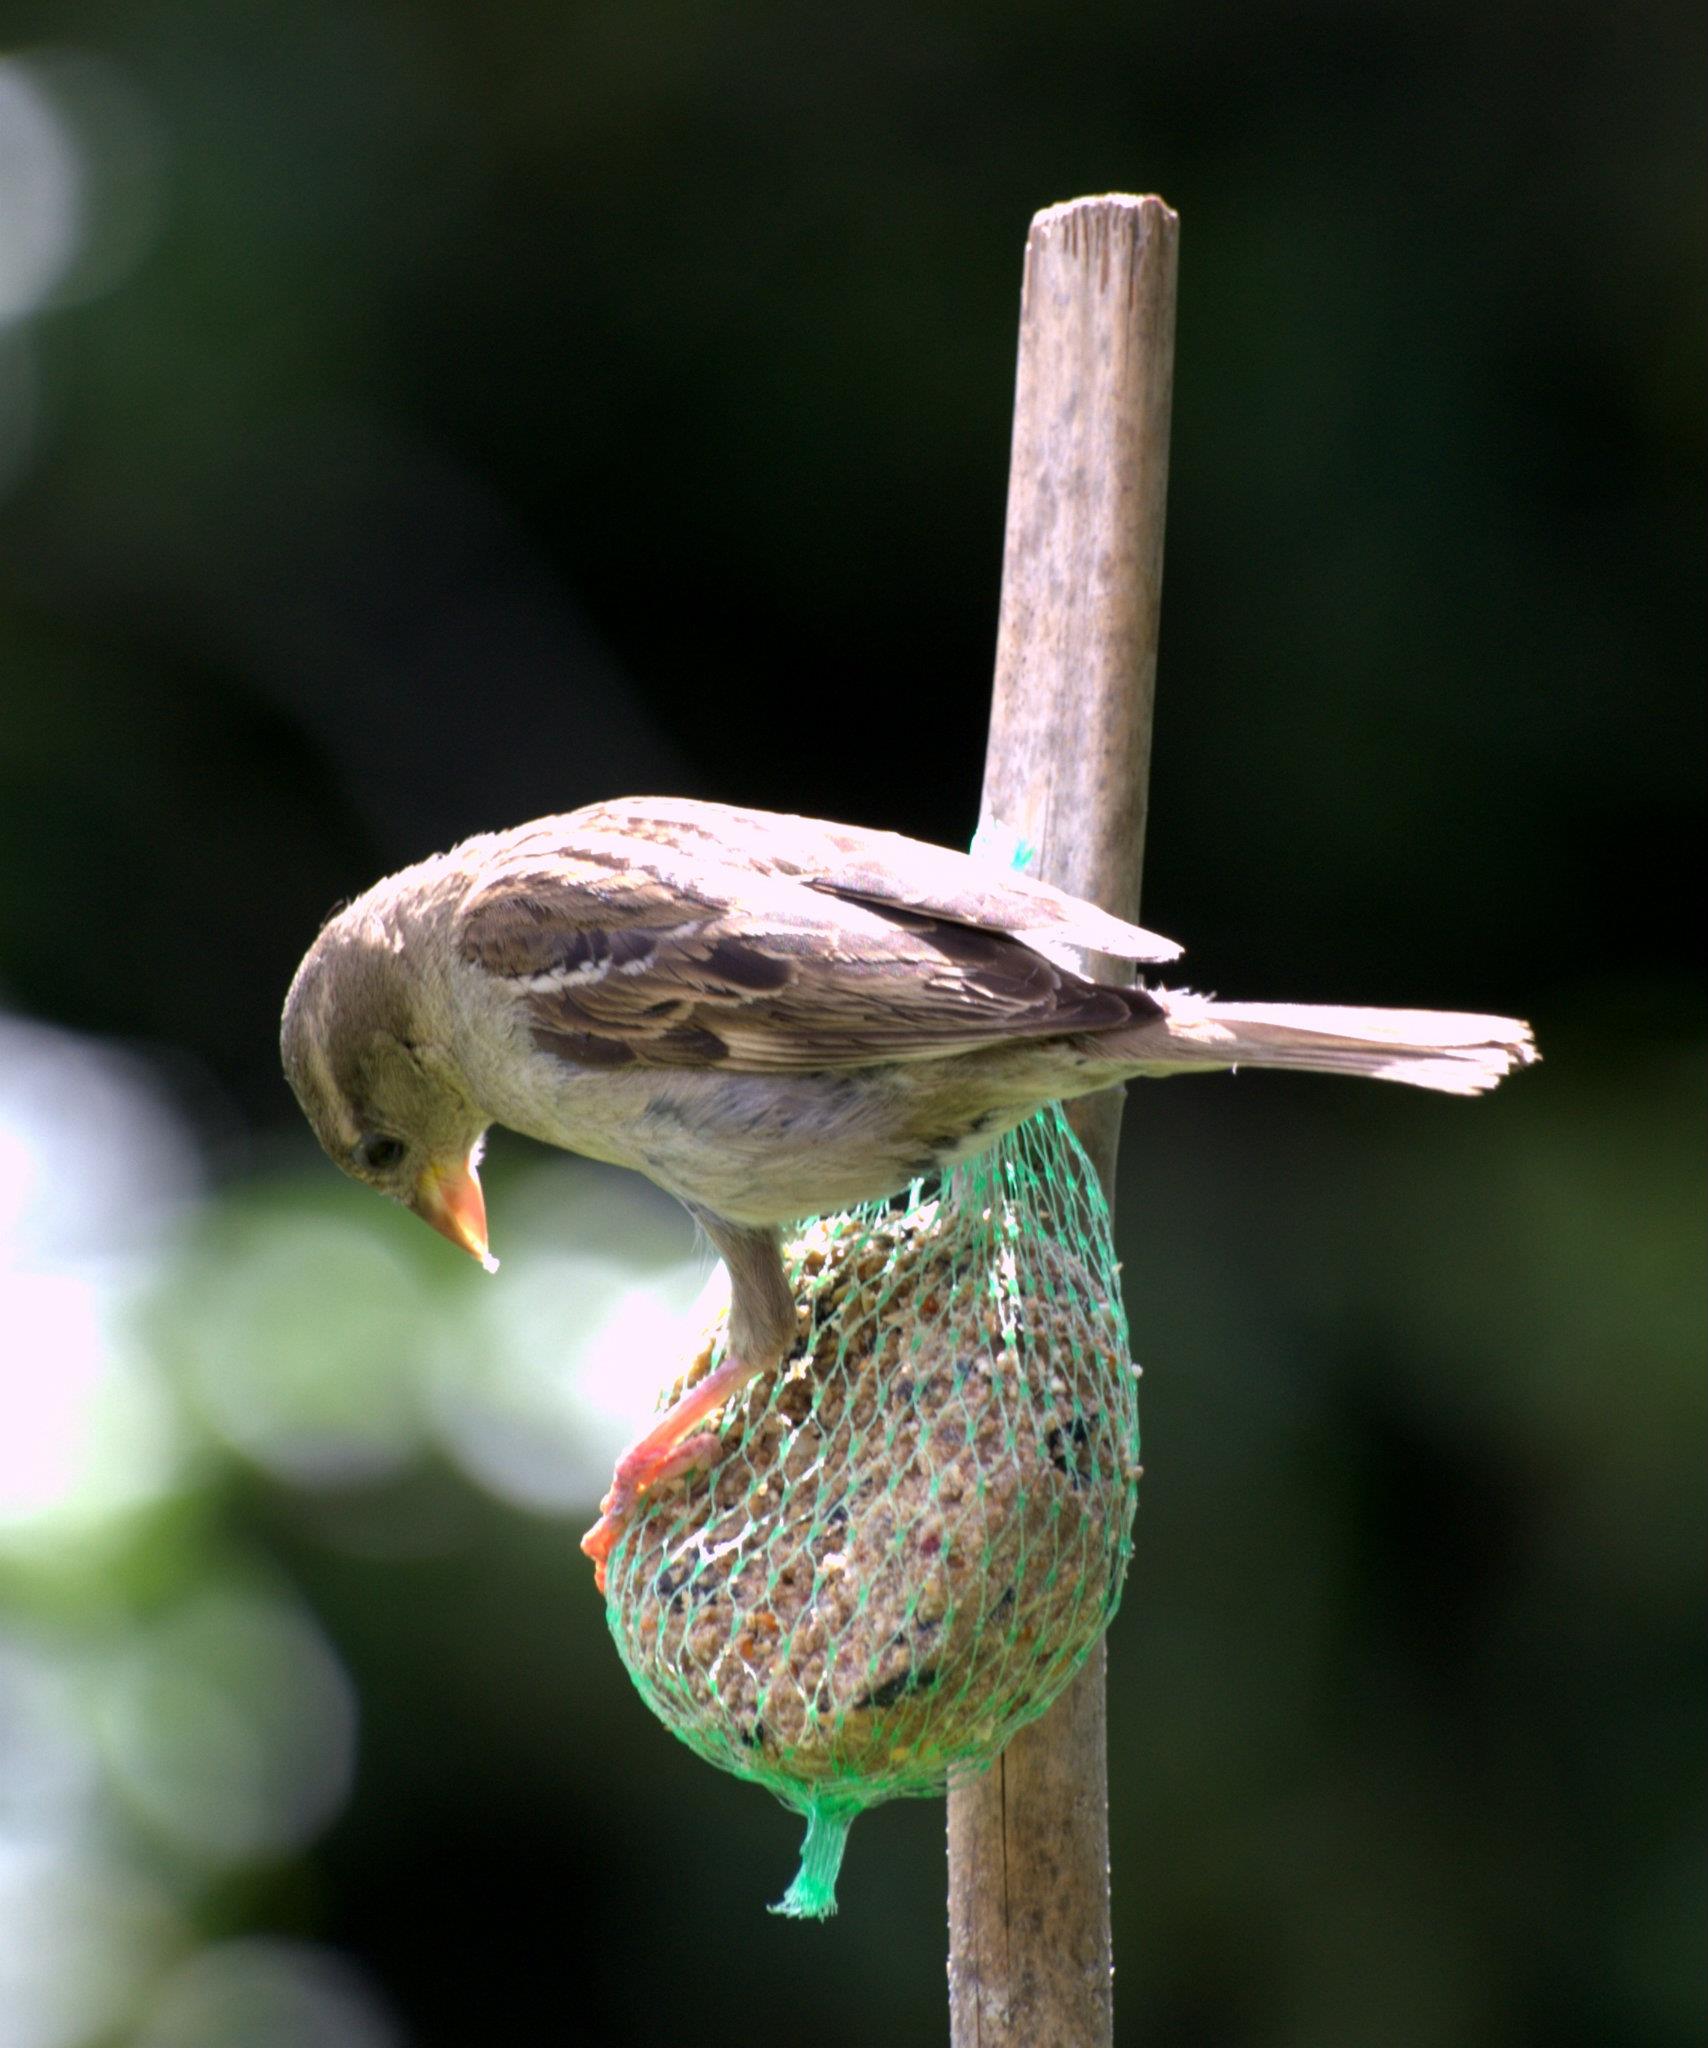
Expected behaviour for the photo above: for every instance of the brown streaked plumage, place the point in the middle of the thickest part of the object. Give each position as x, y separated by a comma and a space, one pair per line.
768, 1015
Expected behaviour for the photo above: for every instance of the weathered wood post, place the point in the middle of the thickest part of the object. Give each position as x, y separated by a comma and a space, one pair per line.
1030, 1963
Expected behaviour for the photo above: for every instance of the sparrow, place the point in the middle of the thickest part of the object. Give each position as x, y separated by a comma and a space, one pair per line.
769, 1016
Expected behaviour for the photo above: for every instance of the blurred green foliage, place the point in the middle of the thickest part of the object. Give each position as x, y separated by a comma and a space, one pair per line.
429, 417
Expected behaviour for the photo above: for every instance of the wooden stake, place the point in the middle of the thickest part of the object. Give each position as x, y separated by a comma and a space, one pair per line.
1030, 1963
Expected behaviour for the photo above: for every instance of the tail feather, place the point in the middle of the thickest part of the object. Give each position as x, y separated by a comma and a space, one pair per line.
1448, 1050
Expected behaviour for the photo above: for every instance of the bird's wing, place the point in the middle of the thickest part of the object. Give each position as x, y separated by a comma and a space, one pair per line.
631, 950
877, 867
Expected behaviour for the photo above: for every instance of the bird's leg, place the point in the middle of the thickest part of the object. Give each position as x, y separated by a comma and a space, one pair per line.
761, 1331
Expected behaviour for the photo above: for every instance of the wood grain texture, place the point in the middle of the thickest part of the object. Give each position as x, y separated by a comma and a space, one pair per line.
1030, 1963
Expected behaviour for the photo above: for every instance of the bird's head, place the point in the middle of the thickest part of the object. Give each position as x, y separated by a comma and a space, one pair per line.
364, 1051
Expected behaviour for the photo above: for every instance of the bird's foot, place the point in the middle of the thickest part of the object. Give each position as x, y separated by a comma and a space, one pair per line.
634, 1477
674, 1445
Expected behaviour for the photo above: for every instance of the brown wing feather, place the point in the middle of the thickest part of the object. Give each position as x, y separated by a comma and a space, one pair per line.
874, 867
633, 951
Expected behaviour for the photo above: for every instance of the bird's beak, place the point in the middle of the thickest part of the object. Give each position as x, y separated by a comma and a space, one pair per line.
448, 1196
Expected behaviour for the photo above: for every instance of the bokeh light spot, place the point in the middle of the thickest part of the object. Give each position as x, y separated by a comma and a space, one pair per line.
230, 1726
552, 1370
40, 224
78, 1936
268, 1994
301, 1337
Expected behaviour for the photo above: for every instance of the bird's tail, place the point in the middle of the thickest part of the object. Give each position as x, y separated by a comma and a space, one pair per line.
1442, 1049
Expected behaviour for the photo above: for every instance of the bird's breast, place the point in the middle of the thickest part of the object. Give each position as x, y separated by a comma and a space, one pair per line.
768, 1148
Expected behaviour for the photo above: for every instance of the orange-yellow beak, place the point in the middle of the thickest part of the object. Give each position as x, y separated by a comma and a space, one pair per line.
448, 1196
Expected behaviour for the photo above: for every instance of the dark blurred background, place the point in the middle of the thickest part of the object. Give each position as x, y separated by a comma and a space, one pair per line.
415, 417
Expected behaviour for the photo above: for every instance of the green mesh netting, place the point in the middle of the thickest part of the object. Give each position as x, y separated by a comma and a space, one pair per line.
919, 1524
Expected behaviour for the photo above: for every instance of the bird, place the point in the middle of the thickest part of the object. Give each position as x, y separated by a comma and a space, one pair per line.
771, 1017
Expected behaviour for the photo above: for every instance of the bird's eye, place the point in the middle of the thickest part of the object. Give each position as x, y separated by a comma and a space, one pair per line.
377, 1154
